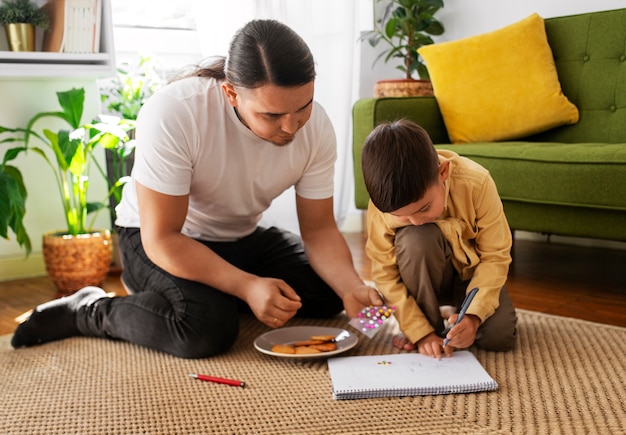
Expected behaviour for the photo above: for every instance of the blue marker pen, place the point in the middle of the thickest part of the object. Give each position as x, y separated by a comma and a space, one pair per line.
464, 306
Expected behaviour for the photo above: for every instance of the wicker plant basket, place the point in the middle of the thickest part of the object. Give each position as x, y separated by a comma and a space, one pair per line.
403, 88
73, 262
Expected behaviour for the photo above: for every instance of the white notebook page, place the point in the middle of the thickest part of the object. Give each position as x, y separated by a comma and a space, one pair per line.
407, 374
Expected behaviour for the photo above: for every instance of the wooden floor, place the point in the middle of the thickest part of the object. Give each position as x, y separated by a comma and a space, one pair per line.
581, 282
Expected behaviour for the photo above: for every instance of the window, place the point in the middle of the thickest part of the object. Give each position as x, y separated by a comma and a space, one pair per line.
161, 28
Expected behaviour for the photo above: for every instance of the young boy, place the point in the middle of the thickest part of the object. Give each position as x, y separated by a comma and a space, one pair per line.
436, 229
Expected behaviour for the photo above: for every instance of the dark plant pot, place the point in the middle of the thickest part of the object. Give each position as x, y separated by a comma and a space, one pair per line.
117, 265
74, 262
403, 88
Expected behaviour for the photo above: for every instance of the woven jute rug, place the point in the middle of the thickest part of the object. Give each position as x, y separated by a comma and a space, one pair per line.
565, 377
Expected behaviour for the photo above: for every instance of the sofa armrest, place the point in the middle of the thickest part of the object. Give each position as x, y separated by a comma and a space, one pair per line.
367, 113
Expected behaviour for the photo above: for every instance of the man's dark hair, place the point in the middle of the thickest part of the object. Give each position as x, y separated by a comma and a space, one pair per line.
399, 164
262, 52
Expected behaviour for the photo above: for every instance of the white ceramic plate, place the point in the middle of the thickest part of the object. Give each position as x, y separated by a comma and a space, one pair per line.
345, 340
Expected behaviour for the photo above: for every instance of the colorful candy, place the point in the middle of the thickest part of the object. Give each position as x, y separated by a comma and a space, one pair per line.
371, 319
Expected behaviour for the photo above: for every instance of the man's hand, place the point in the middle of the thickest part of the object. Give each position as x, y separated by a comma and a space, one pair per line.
272, 301
359, 298
463, 335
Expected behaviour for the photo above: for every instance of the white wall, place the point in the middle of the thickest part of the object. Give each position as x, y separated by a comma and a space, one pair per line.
488, 15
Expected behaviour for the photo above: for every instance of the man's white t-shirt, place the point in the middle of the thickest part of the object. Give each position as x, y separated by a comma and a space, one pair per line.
190, 141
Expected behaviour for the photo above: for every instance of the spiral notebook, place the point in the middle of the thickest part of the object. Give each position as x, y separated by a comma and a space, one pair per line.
407, 374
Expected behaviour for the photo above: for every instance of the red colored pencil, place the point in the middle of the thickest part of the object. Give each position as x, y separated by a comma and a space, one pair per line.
217, 380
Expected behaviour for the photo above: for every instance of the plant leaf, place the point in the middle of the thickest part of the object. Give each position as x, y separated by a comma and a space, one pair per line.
94, 206
72, 103
13, 206
11, 154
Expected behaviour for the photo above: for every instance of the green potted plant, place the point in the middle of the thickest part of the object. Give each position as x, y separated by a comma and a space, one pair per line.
405, 26
123, 95
73, 157
20, 17
135, 82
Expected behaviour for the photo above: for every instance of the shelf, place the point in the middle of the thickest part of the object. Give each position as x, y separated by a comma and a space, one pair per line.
11, 71
49, 57
42, 64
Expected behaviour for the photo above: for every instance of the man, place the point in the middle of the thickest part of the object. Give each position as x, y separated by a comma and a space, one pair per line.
214, 148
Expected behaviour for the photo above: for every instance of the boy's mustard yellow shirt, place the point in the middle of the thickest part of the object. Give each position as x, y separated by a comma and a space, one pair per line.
474, 224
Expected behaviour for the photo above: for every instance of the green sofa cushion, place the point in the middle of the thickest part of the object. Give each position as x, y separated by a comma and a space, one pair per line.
590, 55
582, 175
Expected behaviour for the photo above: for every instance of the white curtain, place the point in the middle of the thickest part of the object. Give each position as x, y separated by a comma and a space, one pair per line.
331, 29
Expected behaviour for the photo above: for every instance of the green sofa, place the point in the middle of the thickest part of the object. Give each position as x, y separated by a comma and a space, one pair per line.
568, 181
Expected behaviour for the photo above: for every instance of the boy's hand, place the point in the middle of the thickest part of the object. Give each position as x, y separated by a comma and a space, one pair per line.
432, 345
463, 335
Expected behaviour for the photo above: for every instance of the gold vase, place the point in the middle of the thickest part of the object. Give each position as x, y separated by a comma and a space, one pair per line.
21, 36
73, 262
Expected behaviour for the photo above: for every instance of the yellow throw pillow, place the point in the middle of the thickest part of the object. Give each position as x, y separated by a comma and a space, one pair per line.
499, 85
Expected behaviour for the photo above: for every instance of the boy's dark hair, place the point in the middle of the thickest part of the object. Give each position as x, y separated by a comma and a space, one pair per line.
262, 52
399, 164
